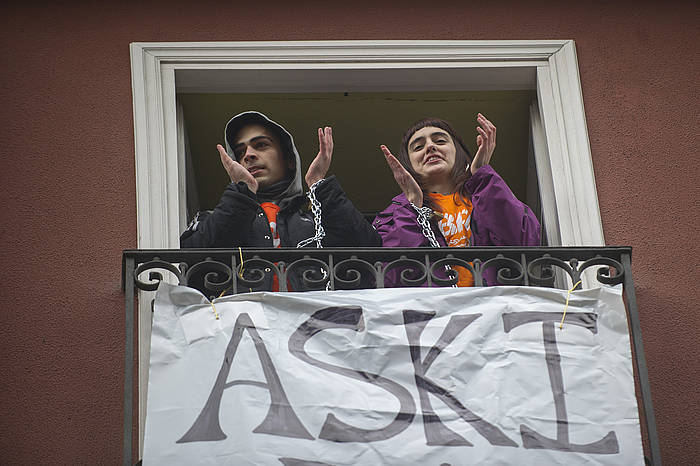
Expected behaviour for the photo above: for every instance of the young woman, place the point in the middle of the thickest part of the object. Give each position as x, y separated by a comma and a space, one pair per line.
450, 199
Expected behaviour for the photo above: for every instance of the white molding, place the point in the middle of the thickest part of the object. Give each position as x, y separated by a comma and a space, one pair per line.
589, 223
399, 51
182, 165
544, 176
159, 183
561, 110
155, 187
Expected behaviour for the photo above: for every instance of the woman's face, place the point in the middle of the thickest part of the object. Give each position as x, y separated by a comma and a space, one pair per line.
432, 153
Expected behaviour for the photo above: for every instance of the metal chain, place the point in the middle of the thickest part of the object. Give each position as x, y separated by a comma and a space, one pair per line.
424, 214
316, 211
318, 227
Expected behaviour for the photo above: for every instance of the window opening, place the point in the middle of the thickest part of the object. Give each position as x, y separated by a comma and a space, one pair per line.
361, 121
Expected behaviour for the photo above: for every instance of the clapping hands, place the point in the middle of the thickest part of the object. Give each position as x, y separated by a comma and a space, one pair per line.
320, 165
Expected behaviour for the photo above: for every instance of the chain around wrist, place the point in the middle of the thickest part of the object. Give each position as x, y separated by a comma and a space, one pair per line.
316, 211
423, 219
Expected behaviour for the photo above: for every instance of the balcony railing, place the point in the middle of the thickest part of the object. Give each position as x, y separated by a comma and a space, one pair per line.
229, 271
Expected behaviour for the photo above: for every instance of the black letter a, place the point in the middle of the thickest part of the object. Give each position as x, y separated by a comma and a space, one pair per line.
280, 420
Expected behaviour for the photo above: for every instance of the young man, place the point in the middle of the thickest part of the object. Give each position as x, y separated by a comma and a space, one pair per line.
264, 204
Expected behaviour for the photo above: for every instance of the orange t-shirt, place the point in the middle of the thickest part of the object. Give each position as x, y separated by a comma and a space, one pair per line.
271, 210
456, 227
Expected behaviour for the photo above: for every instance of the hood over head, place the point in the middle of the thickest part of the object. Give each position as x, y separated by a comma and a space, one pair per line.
286, 141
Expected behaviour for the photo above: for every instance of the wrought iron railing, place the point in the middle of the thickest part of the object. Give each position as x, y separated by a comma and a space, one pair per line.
224, 271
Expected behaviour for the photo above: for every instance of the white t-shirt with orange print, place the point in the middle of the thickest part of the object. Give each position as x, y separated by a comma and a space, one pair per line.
455, 227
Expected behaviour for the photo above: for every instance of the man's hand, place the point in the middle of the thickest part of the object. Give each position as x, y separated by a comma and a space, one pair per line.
236, 171
408, 185
319, 167
486, 141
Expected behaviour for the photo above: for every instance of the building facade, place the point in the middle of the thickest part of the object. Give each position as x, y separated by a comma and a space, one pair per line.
70, 191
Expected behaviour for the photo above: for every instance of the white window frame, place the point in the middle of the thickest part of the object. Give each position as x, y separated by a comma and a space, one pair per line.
568, 193
564, 165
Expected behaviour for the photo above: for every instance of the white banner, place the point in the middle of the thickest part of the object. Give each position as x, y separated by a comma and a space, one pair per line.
429, 376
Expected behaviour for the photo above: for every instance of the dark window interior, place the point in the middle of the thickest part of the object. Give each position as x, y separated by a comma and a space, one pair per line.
361, 121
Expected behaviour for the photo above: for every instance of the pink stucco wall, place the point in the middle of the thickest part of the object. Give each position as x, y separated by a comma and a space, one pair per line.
67, 182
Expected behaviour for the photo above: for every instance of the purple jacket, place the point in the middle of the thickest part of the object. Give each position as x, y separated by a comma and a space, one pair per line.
498, 218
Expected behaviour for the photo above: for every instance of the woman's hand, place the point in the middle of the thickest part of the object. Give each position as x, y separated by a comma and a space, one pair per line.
320, 165
486, 141
404, 179
236, 171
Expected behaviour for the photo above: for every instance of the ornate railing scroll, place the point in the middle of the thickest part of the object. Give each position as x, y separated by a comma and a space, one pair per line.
217, 272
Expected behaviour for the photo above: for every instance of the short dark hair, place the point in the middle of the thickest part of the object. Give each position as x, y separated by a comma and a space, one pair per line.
462, 158
274, 131
234, 126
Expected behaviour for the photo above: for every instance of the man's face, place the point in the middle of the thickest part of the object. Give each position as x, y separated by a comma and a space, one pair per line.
258, 150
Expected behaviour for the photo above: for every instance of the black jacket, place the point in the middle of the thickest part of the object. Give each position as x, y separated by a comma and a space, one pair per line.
239, 221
